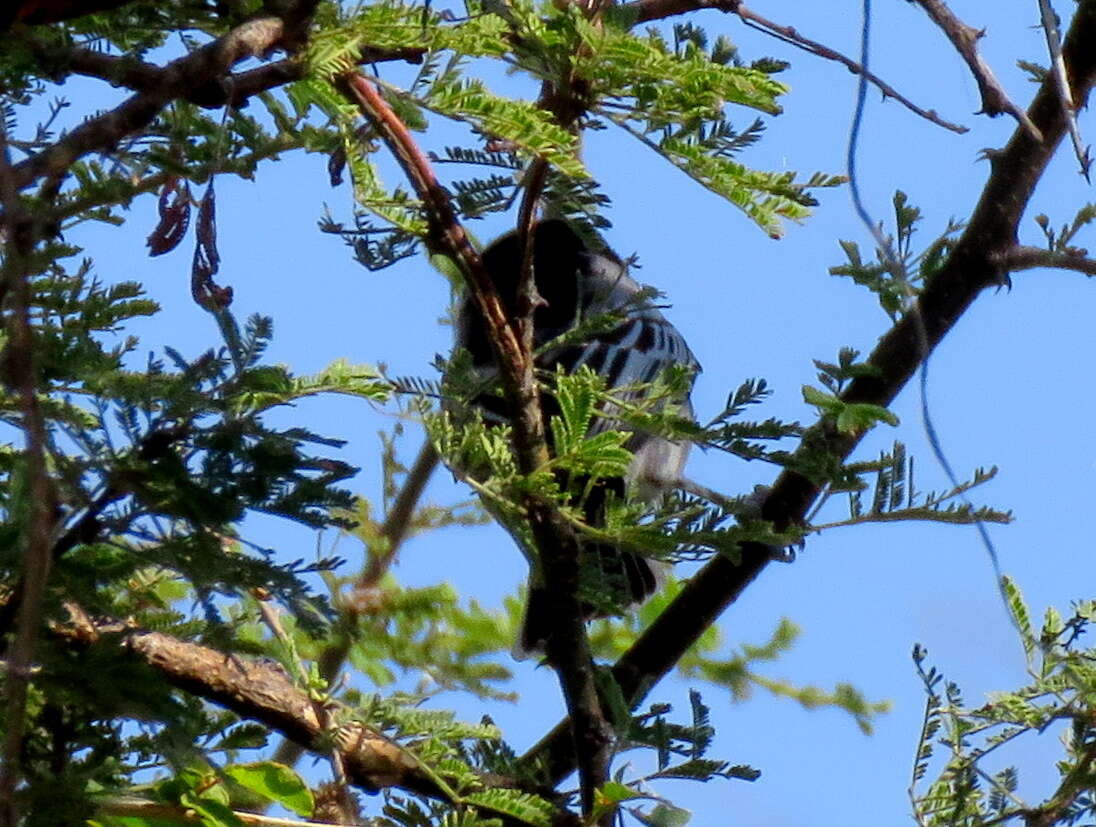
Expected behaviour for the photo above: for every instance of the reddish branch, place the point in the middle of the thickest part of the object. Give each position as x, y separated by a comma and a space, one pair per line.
647, 10
995, 101
979, 260
568, 649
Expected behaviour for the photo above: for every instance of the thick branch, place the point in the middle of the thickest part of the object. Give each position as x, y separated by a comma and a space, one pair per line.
974, 264
260, 691
216, 91
179, 78
995, 101
659, 9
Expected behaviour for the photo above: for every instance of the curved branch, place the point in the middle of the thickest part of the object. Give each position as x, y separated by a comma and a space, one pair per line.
995, 101
216, 91
179, 78
976, 262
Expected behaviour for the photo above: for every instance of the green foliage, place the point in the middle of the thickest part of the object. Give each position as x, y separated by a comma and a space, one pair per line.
740, 671
1060, 241
966, 790
681, 751
848, 417
896, 281
154, 464
894, 496
671, 98
151, 469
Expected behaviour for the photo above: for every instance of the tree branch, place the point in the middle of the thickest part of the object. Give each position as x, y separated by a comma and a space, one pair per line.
1022, 257
195, 70
973, 264
568, 649
22, 230
260, 690
995, 101
1075, 783
216, 91
198, 77
658, 9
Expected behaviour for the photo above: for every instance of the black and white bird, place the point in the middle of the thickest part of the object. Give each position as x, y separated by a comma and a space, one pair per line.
578, 283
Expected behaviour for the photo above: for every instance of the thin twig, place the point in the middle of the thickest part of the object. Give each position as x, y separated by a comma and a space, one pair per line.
647, 10
528, 297
1058, 68
393, 532
397, 523
995, 101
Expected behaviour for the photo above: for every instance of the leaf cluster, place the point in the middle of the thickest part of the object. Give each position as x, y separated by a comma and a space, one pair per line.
897, 272
969, 785
151, 470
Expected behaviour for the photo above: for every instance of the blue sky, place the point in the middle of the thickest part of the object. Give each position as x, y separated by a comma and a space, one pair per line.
1009, 387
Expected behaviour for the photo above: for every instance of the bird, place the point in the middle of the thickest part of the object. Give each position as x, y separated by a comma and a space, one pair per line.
577, 281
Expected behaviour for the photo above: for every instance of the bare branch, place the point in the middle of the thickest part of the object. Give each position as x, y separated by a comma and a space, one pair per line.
260, 690
1028, 258
995, 101
975, 263
659, 9
397, 522
1058, 69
